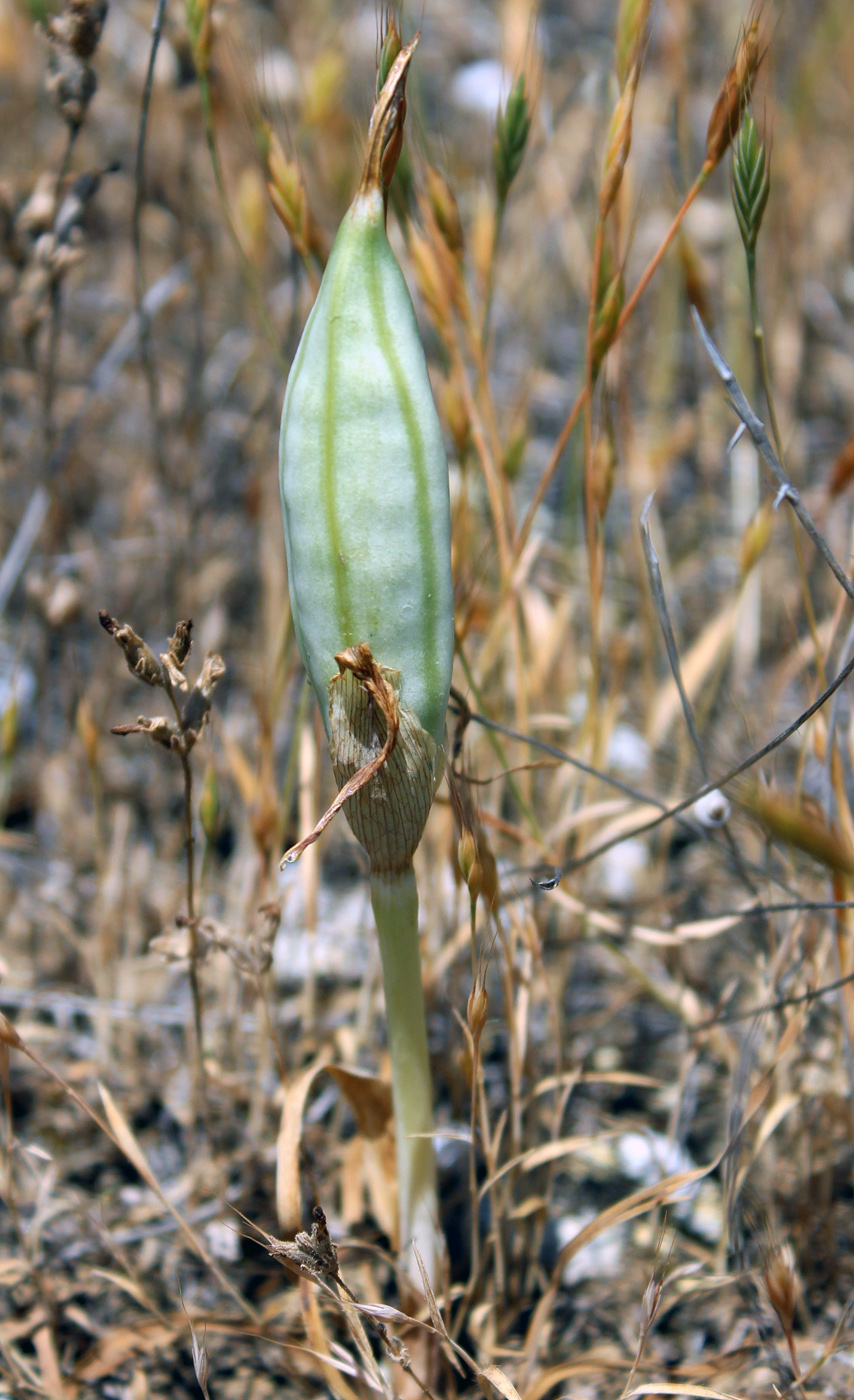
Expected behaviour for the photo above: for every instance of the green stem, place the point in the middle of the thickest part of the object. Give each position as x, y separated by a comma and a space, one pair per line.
762, 356
394, 896
765, 375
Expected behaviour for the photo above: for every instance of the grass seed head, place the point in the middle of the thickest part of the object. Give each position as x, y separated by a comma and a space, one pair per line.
604, 468
619, 143
778, 1275
609, 303
432, 280
74, 35
733, 96
842, 470
632, 18
199, 20
470, 866
389, 49
803, 825
456, 416
445, 210
755, 539
696, 285
287, 192
477, 1010
9, 729
751, 182
512, 128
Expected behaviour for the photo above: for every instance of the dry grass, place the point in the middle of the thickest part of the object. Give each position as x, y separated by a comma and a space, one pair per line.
660, 1198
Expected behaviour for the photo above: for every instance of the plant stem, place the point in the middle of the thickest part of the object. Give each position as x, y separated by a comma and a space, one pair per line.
671, 233
765, 375
761, 353
490, 275
192, 924
394, 897
139, 283
591, 519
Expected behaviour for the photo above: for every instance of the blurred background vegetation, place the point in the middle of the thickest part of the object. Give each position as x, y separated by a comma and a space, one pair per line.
138, 463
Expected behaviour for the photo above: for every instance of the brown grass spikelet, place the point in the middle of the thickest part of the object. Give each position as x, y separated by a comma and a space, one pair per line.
734, 95
842, 470
445, 210
696, 287
199, 21
456, 416
755, 539
619, 142
470, 867
604, 467
610, 304
431, 277
632, 18
803, 825
389, 47
477, 1010
778, 1275
288, 196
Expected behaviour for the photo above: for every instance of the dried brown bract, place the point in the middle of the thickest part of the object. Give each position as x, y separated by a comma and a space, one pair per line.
619, 141
78, 27
288, 195
71, 81
140, 658
313, 1254
168, 674
42, 242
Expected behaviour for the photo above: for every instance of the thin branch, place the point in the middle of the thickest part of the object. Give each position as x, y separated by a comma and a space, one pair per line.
652, 266
756, 429
660, 601
730, 1017
138, 201
553, 751
721, 782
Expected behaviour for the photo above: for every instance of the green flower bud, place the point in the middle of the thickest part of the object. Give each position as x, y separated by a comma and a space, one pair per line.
363, 472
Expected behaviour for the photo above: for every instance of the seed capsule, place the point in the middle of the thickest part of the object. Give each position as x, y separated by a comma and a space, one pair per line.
363, 473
